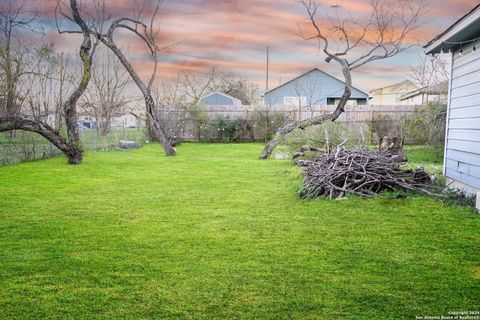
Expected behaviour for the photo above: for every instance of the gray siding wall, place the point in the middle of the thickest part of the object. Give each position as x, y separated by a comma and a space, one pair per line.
316, 86
462, 155
217, 100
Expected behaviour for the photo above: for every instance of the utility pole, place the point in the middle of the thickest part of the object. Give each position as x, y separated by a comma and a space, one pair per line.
268, 61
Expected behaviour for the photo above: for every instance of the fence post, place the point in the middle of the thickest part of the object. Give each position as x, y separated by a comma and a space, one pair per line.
95, 138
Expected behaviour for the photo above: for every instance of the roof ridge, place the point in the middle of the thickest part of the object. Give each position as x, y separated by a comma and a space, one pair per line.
305, 73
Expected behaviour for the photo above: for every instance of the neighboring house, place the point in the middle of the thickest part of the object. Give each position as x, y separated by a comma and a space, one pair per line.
462, 145
219, 99
126, 120
314, 87
391, 95
432, 93
85, 120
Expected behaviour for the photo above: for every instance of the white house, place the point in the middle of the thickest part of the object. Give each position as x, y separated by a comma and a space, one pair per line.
85, 120
432, 93
391, 95
462, 145
125, 120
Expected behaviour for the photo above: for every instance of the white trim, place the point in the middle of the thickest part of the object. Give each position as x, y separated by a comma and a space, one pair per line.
456, 28
449, 93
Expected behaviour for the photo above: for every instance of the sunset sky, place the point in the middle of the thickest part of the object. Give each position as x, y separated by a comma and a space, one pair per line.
233, 35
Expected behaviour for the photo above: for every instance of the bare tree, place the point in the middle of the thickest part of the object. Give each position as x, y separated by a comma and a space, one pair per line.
38, 86
105, 95
47, 87
386, 32
13, 57
197, 85
87, 50
65, 73
71, 147
241, 89
147, 34
430, 70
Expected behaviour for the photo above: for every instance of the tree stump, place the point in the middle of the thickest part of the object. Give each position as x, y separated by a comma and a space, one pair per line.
393, 145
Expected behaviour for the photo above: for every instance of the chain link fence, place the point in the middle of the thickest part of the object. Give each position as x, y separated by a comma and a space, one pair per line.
21, 146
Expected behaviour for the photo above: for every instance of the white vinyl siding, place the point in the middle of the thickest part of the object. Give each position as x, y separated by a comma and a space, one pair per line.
462, 155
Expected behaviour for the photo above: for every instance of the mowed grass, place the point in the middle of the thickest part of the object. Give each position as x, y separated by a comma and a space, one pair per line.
215, 233
429, 157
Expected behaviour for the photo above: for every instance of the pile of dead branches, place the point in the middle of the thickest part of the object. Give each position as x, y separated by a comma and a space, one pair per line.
337, 172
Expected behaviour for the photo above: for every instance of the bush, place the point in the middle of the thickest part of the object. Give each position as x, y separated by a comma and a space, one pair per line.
334, 133
427, 125
383, 126
230, 130
458, 197
267, 122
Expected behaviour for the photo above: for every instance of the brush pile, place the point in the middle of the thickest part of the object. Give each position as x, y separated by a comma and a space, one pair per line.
336, 172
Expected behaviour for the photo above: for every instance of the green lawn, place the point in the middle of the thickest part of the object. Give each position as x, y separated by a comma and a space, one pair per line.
429, 157
217, 234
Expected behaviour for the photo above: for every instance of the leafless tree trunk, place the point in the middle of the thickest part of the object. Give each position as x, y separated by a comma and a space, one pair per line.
383, 35
147, 35
72, 152
13, 59
86, 53
302, 124
155, 125
70, 148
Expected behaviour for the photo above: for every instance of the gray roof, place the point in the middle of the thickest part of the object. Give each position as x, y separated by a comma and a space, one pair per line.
236, 101
303, 74
395, 85
438, 88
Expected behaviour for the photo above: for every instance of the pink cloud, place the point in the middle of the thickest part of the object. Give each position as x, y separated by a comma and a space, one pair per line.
233, 34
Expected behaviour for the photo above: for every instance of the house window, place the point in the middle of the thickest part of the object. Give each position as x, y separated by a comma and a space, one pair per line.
330, 101
295, 101
361, 102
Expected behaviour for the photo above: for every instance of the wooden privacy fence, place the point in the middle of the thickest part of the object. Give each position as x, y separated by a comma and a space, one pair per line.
210, 120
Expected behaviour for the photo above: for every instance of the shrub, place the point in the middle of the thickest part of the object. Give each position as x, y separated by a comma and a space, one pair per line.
333, 133
458, 197
383, 126
228, 130
267, 122
426, 125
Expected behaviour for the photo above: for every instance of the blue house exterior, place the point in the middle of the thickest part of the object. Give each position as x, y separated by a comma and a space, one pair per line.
462, 138
219, 99
314, 87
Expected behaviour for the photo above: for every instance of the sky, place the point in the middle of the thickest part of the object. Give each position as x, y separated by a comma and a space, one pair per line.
233, 35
